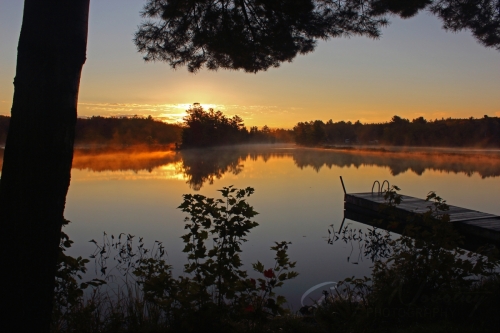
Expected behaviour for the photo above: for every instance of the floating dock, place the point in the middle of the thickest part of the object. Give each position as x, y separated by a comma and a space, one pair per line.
478, 228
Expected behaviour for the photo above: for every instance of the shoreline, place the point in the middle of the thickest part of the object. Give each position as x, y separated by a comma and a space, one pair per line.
451, 151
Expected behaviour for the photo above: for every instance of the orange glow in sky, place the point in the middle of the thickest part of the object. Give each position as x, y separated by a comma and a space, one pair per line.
415, 69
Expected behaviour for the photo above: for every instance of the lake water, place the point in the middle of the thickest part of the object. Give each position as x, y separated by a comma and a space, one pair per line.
297, 193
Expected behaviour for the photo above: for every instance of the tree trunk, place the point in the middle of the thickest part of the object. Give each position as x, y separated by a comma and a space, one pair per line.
38, 155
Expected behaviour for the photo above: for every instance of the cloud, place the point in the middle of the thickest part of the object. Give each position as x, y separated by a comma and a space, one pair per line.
165, 112
250, 111
174, 112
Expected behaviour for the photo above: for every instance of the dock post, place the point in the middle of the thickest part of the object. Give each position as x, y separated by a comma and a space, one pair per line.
341, 225
342, 181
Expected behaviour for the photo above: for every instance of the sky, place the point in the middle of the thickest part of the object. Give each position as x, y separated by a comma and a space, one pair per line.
415, 69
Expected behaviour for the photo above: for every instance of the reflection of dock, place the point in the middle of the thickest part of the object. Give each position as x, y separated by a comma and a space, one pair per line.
478, 228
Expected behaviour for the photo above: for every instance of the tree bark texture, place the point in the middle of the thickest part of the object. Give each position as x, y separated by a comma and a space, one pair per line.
38, 155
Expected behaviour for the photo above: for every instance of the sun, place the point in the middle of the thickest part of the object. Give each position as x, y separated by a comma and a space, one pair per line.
174, 113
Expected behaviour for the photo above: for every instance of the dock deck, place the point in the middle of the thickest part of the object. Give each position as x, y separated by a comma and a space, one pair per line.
482, 227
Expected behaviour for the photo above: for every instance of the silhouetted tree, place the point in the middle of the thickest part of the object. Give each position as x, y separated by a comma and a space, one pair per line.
310, 133
481, 17
269, 135
37, 160
4, 125
252, 35
211, 128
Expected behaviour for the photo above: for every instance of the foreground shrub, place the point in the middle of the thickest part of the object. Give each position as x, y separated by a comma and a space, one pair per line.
216, 295
421, 281
422, 278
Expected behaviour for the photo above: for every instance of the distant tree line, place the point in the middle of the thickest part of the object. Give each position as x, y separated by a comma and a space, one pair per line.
205, 128
128, 131
117, 131
200, 129
478, 132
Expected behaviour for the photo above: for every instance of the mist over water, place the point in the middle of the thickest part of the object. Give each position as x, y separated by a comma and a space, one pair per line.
297, 194
205, 165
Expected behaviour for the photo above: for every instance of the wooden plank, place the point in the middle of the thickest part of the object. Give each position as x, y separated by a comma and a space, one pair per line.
485, 221
470, 212
469, 217
483, 225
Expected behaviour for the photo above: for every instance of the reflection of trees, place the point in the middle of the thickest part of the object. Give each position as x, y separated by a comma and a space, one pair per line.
400, 162
372, 243
200, 166
204, 165
122, 160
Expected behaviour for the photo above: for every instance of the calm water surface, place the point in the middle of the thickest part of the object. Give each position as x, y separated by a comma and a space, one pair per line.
297, 193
